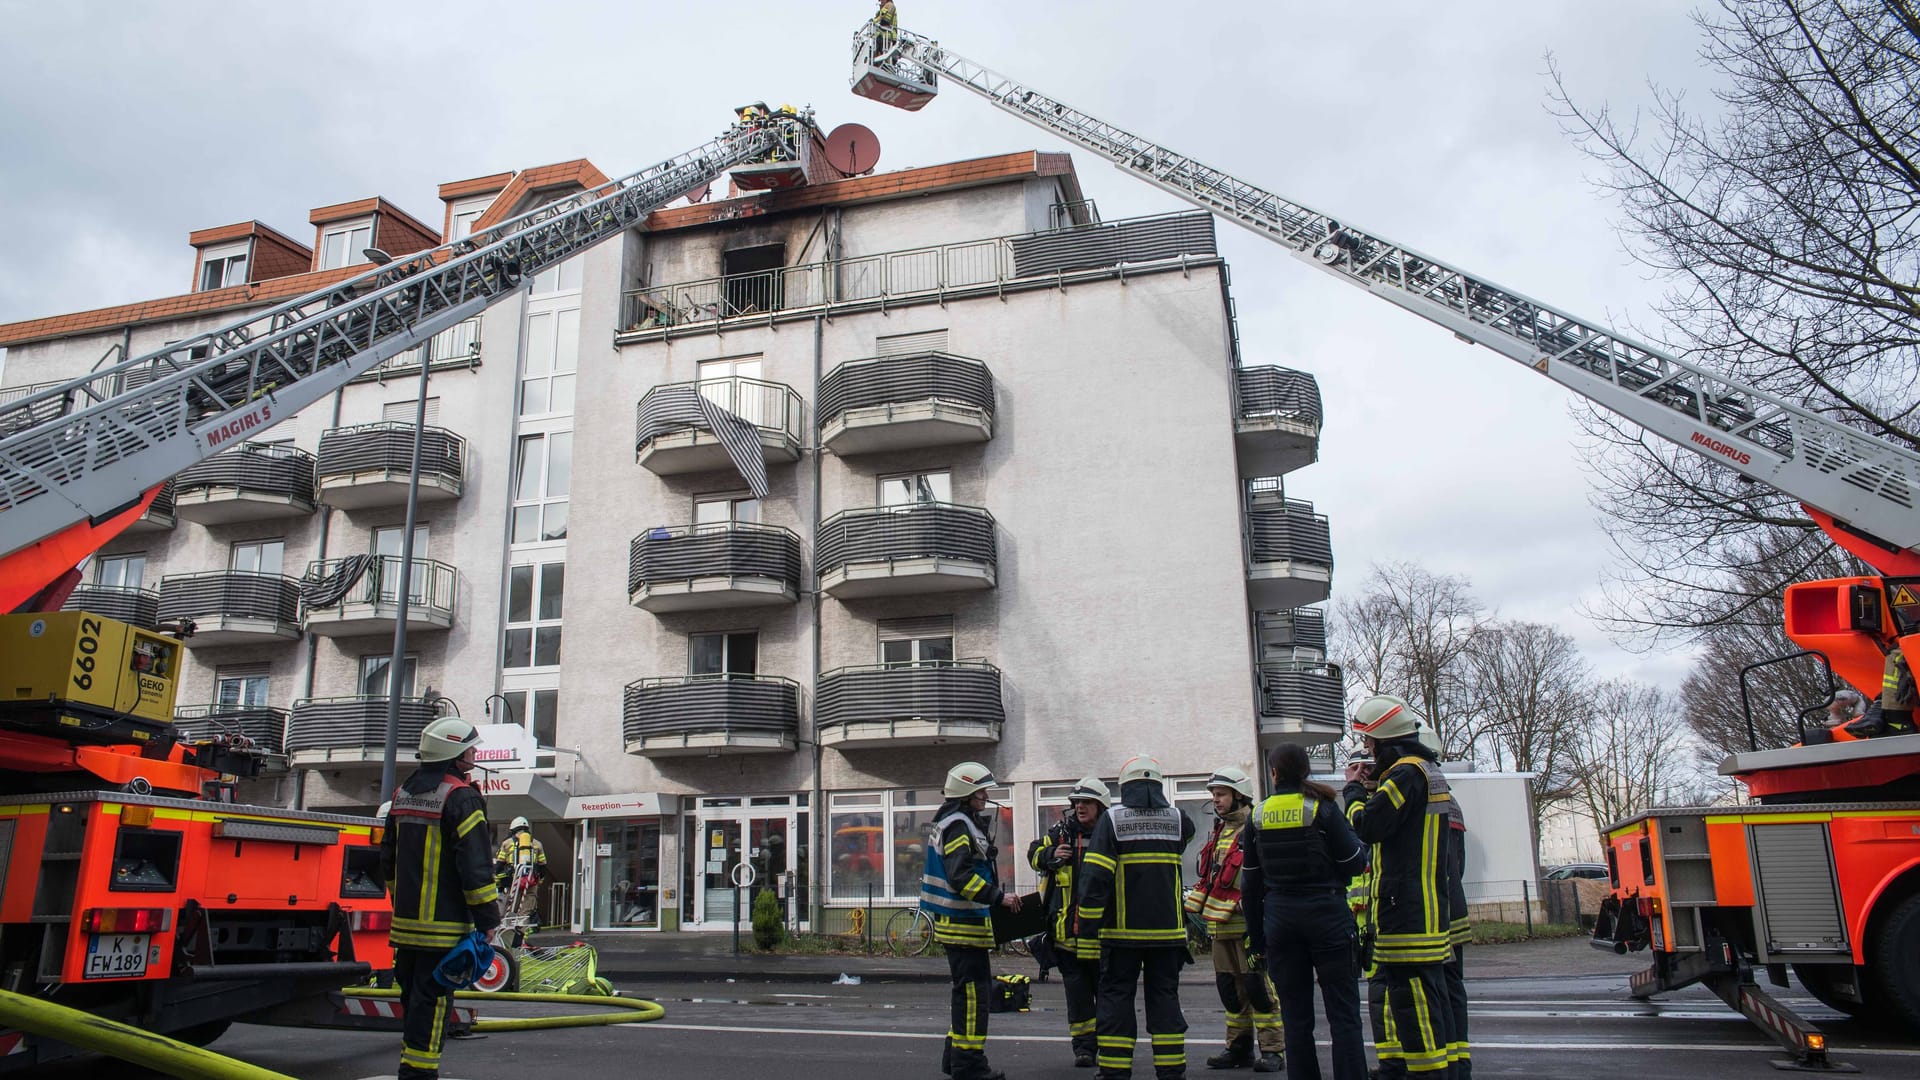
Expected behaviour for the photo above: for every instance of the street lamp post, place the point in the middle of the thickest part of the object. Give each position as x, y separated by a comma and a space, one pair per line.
395, 666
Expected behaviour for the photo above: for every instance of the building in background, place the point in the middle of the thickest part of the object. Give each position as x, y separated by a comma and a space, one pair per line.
737, 531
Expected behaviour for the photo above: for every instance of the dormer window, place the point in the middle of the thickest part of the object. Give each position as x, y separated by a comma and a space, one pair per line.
223, 266
341, 245
465, 213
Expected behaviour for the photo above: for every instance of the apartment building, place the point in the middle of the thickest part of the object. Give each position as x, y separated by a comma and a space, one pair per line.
738, 530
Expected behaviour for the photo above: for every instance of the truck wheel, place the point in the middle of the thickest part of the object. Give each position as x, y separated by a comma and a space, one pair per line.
201, 1034
1894, 971
1822, 981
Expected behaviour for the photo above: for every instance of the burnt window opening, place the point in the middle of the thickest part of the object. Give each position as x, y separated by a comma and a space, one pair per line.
752, 278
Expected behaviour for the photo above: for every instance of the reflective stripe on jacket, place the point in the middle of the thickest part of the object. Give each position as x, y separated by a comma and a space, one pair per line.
1057, 880
520, 856
1405, 820
958, 888
436, 858
1133, 862
1215, 895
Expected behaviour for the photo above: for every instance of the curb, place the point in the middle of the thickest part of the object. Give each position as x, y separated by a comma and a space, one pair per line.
718, 975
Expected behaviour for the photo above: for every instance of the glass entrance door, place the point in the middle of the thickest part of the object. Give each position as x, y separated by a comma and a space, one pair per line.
761, 839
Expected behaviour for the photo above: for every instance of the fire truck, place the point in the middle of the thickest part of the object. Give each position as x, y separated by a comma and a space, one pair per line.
1822, 875
131, 884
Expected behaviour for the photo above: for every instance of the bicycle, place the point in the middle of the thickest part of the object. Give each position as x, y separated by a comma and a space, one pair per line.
909, 932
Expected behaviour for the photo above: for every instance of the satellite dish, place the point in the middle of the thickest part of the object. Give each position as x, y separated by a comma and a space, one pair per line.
853, 149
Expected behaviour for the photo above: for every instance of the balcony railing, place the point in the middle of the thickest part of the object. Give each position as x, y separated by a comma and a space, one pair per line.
902, 402
232, 607
1291, 550
348, 730
703, 714
1302, 698
1275, 391
921, 272
1301, 628
456, 346
159, 516
372, 603
769, 406
1279, 420
369, 464
277, 477
940, 539
876, 705
730, 564
250, 725
141, 607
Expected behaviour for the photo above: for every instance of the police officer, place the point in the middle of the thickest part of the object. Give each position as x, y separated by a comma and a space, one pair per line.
1253, 1027
1058, 857
1459, 927
519, 867
1299, 855
1404, 817
434, 858
959, 891
1139, 842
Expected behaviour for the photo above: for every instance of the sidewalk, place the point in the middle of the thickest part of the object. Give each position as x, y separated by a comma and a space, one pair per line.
708, 957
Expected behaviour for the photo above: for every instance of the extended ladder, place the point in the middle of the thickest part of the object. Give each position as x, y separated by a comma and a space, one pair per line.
85, 448
1870, 485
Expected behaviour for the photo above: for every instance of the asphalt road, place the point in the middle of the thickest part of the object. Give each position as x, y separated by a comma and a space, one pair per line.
1573, 1026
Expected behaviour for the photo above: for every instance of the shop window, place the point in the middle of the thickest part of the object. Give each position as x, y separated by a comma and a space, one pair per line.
880, 839
626, 874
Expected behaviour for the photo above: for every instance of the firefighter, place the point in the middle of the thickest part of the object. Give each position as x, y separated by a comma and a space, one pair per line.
434, 859
959, 892
1058, 857
1897, 698
1459, 927
1300, 852
886, 22
1139, 843
1253, 1027
1404, 816
519, 867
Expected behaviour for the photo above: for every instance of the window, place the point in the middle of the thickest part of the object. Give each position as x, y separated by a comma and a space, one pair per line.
465, 213
720, 510
120, 571
557, 279
553, 355
257, 556
535, 596
541, 479
922, 341
342, 246
722, 382
387, 542
375, 669
879, 839
724, 654
241, 688
915, 488
753, 278
403, 412
917, 642
537, 710
223, 266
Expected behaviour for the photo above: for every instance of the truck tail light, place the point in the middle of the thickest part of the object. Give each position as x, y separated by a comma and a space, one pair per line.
1646, 907
124, 920
371, 920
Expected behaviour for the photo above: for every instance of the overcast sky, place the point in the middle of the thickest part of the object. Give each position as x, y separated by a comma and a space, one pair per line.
124, 126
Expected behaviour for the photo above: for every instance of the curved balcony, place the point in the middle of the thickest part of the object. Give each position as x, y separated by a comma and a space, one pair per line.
904, 403
141, 607
251, 482
1301, 702
890, 705
352, 730
233, 607
672, 437
1292, 557
1278, 426
707, 567
368, 465
1297, 634
159, 516
913, 548
371, 604
710, 715
251, 725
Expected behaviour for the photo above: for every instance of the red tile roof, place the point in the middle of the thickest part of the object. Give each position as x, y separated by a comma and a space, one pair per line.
569, 174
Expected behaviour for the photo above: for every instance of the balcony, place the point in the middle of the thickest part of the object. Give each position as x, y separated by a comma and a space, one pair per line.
1054, 259
1277, 429
900, 705
371, 604
673, 437
368, 465
252, 482
905, 403
1301, 702
708, 567
246, 725
456, 347
1292, 556
1300, 634
159, 516
711, 715
141, 607
233, 607
899, 550
352, 730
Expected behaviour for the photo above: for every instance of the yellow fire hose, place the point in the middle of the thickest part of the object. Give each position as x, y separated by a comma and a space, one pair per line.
173, 1058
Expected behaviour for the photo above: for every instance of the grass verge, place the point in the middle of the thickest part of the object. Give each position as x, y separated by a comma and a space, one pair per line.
1501, 933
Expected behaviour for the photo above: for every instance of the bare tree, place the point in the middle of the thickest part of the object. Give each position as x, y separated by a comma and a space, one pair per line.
1529, 687
1631, 752
1785, 223
1406, 633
